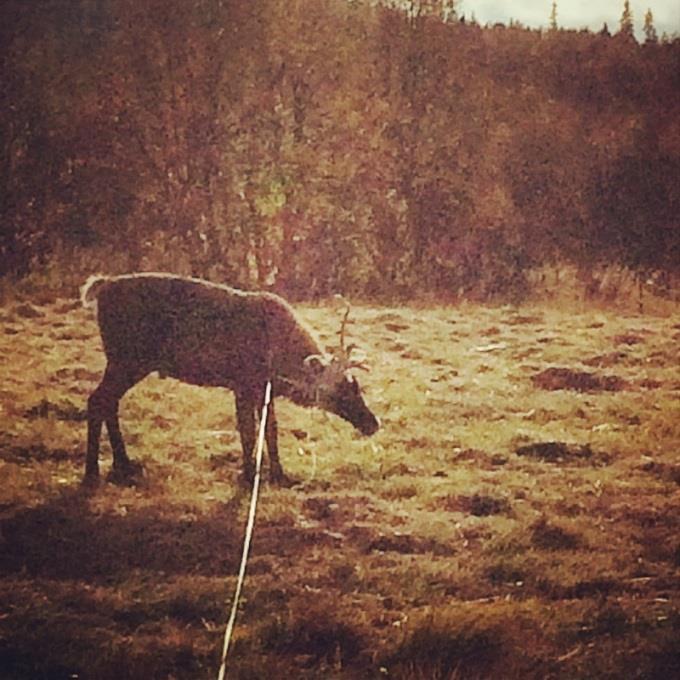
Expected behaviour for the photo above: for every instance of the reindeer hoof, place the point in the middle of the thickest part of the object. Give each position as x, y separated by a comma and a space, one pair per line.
283, 480
245, 479
90, 481
130, 473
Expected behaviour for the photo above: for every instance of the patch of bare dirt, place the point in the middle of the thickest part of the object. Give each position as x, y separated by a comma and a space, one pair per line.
628, 339
556, 378
596, 587
560, 452
60, 411
606, 360
522, 319
28, 311
368, 539
670, 473
396, 327
34, 453
481, 459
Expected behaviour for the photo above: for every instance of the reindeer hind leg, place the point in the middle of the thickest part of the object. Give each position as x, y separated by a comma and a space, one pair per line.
103, 407
245, 418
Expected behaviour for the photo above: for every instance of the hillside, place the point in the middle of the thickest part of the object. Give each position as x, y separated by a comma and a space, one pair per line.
316, 148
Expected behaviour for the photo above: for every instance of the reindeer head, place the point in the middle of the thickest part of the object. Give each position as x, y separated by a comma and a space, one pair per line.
330, 385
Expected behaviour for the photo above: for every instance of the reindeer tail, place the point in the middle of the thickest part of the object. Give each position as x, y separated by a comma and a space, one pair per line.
90, 289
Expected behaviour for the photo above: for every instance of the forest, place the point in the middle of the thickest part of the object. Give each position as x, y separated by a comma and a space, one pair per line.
314, 148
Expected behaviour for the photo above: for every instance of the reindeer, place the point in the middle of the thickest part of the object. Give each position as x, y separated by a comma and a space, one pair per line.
212, 335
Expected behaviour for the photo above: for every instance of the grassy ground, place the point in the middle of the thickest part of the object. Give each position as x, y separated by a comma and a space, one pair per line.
509, 520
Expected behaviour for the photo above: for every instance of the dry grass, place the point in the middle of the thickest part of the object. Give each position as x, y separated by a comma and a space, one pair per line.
446, 546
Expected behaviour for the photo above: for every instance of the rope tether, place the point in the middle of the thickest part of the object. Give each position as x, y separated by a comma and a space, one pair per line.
249, 532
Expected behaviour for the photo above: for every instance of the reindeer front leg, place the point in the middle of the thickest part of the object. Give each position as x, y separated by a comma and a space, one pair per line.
272, 437
245, 418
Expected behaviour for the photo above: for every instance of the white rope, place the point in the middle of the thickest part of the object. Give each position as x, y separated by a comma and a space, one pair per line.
249, 533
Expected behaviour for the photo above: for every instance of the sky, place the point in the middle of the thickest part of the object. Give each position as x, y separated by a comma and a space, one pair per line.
576, 13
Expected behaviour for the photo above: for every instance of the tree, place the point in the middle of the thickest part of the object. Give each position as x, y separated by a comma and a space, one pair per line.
627, 29
650, 32
553, 17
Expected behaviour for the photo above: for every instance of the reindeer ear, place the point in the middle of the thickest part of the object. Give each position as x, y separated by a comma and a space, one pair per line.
315, 363
359, 361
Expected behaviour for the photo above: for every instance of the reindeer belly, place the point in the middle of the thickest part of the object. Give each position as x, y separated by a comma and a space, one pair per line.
208, 364
199, 370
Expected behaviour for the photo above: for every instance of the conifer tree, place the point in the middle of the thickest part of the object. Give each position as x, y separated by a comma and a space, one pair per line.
553, 17
627, 30
650, 31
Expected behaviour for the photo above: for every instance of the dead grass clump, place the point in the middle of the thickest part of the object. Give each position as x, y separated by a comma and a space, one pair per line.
320, 508
401, 469
666, 472
314, 640
481, 460
627, 339
523, 319
606, 360
399, 491
609, 620
660, 545
560, 452
505, 572
193, 606
586, 589
159, 653
78, 373
664, 663
649, 384
438, 652
28, 311
407, 544
548, 536
64, 410
396, 327
27, 454
479, 505
555, 378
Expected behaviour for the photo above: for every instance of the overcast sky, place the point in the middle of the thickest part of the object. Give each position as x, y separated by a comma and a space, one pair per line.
576, 13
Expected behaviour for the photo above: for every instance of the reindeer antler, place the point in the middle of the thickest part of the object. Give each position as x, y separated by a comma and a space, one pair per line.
343, 325
344, 352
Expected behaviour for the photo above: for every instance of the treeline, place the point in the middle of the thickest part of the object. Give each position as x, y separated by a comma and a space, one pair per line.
319, 147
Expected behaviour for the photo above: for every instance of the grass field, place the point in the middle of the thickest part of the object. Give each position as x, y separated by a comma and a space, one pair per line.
517, 516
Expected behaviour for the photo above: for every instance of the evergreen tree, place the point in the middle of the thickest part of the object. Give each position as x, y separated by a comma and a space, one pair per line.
553, 17
650, 31
627, 30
